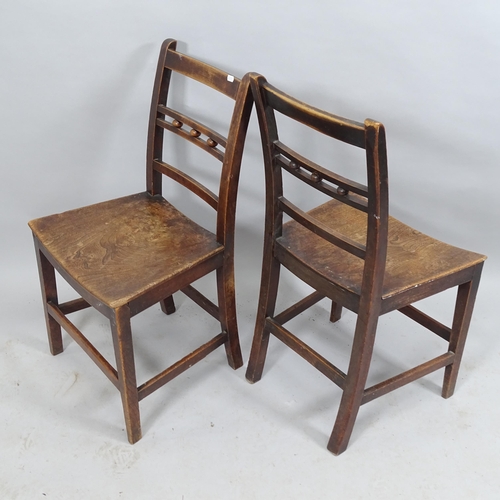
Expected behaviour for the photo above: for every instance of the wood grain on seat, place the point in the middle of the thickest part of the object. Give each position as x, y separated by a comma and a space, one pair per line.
413, 258
119, 249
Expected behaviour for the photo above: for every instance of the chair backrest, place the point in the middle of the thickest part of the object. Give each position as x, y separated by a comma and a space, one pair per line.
371, 198
228, 150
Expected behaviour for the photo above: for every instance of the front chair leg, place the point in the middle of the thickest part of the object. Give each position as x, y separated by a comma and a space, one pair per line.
466, 297
49, 294
357, 374
267, 303
227, 315
124, 352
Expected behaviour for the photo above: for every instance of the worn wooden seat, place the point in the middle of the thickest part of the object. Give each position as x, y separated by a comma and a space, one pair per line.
350, 250
413, 258
124, 255
117, 259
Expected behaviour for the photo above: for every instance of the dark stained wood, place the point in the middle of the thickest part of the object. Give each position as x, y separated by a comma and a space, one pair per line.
125, 366
298, 308
404, 378
124, 255
181, 120
466, 297
338, 191
49, 294
219, 80
73, 306
322, 230
168, 305
154, 148
335, 312
319, 362
188, 182
298, 161
340, 128
202, 301
181, 366
430, 323
193, 136
413, 258
83, 342
343, 296
157, 292
350, 250
117, 256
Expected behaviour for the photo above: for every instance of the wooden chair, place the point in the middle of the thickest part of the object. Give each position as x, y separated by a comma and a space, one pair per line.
124, 255
350, 250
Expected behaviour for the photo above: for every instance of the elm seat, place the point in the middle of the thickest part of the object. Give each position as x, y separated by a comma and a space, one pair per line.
118, 258
125, 255
413, 258
351, 251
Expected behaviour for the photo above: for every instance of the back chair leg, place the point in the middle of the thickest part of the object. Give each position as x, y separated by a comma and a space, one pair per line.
466, 297
362, 349
336, 312
124, 352
227, 314
168, 305
49, 294
267, 303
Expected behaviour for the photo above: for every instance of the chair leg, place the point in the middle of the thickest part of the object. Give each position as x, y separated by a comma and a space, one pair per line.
124, 352
336, 312
267, 303
227, 313
49, 294
466, 297
362, 349
168, 305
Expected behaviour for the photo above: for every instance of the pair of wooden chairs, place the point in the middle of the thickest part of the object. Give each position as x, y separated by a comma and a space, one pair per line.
125, 255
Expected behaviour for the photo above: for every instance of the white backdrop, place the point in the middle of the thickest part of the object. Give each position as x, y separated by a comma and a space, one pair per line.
76, 81
75, 85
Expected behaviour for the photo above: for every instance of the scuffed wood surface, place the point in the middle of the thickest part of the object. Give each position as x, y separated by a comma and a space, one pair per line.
121, 248
413, 258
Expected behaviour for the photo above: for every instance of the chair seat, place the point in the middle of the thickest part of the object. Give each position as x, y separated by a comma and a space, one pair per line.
413, 258
120, 249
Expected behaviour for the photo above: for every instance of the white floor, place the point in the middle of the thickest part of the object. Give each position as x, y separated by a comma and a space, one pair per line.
209, 434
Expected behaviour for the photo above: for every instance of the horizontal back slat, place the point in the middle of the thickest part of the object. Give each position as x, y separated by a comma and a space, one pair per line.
188, 182
345, 130
214, 151
317, 227
353, 200
203, 73
324, 173
186, 120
